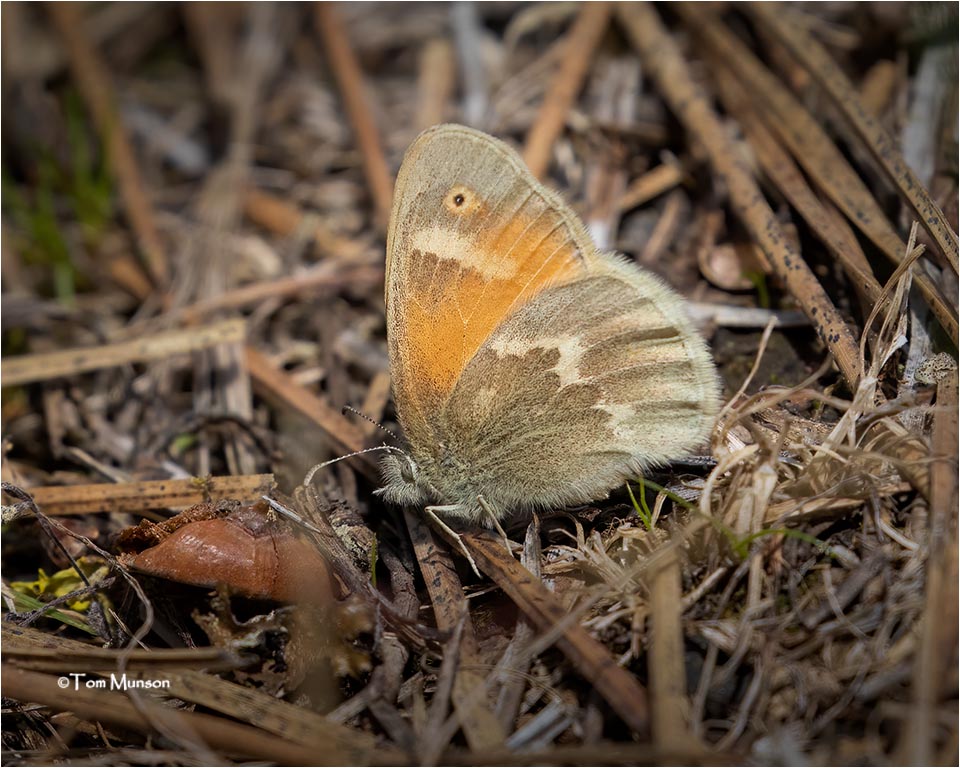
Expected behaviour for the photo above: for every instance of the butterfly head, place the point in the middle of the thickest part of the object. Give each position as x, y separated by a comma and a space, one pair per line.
403, 481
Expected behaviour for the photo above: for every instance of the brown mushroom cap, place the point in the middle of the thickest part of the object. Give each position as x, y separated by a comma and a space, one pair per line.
245, 551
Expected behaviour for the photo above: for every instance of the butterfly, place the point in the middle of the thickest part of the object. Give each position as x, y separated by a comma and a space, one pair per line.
530, 370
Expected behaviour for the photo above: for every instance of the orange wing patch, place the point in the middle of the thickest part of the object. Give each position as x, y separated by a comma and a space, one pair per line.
454, 301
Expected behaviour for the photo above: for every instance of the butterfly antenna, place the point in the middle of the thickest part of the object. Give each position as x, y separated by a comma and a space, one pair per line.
364, 416
309, 476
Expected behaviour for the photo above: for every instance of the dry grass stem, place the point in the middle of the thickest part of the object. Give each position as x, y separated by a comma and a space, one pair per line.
284, 218
325, 276
935, 673
148, 494
437, 81
666, 661
42, 652
25, 369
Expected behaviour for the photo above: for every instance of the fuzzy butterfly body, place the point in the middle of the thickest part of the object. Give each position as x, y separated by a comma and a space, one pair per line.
528, 368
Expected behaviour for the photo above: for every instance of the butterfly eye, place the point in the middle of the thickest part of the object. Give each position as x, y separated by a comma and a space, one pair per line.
460, 200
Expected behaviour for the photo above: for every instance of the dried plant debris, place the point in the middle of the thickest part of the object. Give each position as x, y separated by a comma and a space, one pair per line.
194, 213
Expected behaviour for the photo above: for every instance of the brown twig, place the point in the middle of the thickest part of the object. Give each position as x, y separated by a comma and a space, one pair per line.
211, 34
879, 85
653, 183
93, 80
332, 274
581, 40
25, 369
285, 218
666, 228
790, 32
346, 70
327, 275
149, 494
667, 68
129, 275
375, 402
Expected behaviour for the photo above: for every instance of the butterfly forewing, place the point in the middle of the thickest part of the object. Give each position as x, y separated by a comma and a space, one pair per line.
472, 236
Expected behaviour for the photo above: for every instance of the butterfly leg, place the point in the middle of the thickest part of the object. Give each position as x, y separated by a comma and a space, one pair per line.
432, 514
492, 516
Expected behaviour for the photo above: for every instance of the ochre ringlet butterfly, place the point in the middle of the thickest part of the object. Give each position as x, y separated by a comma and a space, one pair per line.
530, 371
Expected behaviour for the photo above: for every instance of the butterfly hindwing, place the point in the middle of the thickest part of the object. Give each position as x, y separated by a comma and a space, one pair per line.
583, 386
